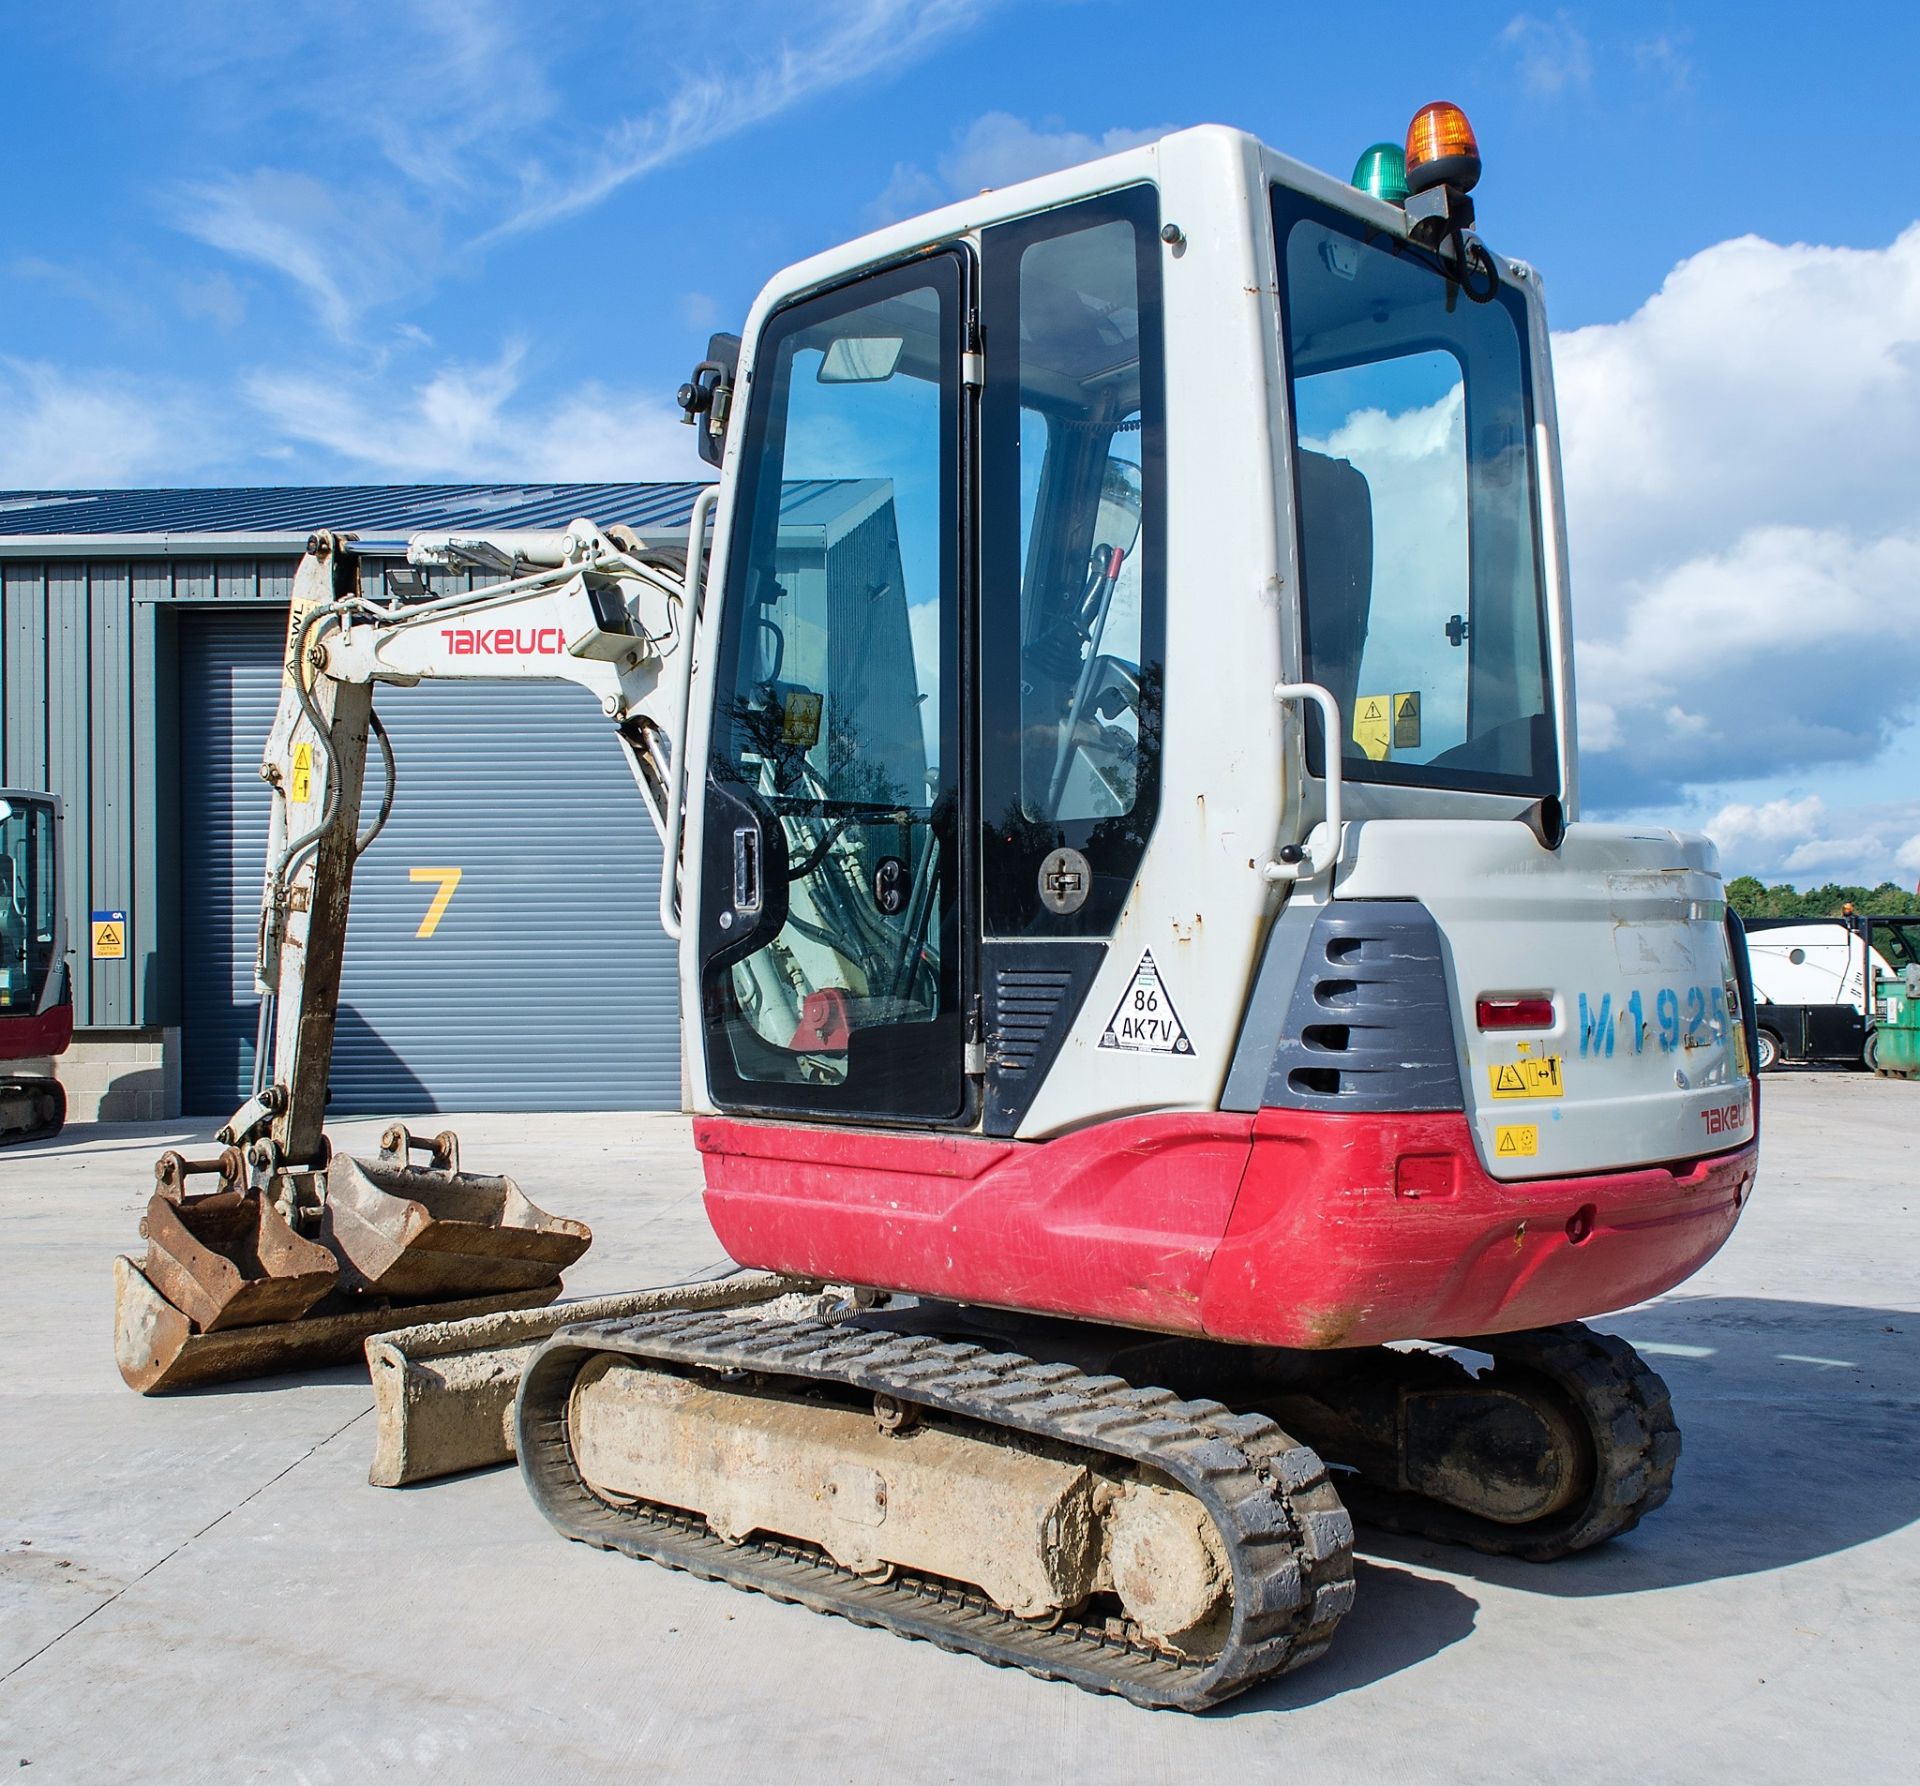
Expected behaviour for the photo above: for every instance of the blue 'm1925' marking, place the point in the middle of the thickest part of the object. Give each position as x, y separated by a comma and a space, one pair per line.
1702, 1023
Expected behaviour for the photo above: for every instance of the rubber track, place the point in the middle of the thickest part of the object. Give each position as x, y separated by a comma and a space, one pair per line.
1628, 1413
1288, 1537
51, 1099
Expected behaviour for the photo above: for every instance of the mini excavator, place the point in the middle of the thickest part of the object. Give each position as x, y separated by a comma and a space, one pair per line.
36, 994
1117, 777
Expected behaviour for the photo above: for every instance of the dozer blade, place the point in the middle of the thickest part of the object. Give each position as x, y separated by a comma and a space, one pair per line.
157, 1348
443, 1392
232, 1260
426, 1232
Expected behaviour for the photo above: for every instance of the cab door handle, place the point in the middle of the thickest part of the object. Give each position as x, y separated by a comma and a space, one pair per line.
746, 869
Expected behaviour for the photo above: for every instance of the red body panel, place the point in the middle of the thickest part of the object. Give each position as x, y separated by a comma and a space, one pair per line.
1285, 1228
36, 1037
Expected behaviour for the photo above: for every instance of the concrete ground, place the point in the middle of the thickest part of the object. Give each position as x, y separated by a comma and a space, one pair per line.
205, 1588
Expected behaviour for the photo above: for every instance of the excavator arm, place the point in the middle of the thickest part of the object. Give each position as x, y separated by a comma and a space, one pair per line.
295, 1254
587, 605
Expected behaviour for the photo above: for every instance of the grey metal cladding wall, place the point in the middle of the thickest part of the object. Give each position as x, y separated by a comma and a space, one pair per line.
67, 724
546, 983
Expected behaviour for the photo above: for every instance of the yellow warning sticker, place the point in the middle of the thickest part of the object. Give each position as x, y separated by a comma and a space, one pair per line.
1373, 725
1406, 722
109, 936
1527, 1078
302, 774
1516, 1140
800, 719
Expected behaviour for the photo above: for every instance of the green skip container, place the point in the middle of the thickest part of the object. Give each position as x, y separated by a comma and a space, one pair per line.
1896, 1035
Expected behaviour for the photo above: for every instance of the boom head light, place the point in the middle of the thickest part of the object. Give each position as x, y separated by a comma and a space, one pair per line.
1382, 171
1441, 149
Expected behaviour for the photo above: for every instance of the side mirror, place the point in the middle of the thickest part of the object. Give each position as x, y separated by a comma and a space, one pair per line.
706, 399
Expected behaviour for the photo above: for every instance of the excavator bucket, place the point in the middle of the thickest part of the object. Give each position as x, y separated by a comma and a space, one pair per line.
232, 1260
411, 1231
230, 1287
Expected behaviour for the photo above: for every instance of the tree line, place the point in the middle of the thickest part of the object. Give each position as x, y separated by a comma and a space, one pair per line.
1751, 898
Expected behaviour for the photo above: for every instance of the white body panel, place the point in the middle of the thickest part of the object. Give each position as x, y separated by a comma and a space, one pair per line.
1625, 930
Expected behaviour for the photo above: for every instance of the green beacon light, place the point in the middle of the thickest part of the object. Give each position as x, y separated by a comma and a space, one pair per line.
1382, 171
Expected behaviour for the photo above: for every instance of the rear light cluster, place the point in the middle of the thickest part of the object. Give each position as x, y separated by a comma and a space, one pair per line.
1528, 1011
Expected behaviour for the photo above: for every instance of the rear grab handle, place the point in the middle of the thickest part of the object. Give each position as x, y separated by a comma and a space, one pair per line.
1304, 862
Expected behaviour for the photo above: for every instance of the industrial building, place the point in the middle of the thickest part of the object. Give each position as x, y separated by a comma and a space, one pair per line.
503, 952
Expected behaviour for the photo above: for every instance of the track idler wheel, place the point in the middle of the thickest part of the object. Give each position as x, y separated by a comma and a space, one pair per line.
1568, 1440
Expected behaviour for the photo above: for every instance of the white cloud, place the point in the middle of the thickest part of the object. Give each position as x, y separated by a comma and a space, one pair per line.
697, 310
1000, 150
345, 254
484, 90
844, 42
1771, 822
477, 422
1744, 516
216, 297
78, 430
1550, 54
996, 150
1800, 838
1664, 59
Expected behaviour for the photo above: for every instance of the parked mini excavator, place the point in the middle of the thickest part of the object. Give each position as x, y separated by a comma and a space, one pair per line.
36, 996
1117, 778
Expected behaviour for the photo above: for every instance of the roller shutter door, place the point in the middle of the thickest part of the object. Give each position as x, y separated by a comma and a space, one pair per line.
545, 982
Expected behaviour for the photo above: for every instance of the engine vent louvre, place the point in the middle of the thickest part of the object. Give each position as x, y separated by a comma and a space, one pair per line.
1034, 993
1027, 1004
1370, 1026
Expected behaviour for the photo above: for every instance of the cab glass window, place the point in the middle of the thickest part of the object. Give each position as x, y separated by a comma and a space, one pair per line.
832, 829
1072, 556
1424, 606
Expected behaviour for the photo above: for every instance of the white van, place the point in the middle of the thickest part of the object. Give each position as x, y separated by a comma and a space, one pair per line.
1814, 980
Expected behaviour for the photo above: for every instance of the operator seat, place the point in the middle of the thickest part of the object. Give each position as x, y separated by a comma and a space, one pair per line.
1336, 569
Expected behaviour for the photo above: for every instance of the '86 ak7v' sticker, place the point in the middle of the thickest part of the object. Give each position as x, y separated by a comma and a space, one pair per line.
1145, 1022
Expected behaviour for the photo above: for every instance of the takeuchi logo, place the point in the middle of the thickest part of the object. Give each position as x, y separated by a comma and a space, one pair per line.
1725, 1119
504, 641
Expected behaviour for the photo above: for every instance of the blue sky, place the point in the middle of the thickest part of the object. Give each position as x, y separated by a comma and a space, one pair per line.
437, 239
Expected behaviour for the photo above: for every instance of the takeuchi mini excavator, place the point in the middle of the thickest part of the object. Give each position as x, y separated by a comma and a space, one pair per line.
1116, 769
36, 995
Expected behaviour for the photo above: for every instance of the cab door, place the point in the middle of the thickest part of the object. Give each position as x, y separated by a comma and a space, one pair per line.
835, 922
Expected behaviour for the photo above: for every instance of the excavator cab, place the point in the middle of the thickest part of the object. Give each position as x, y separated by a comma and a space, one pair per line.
36, 996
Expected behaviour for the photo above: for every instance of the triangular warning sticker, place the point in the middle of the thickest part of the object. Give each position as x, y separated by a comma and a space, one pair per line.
1145, 1022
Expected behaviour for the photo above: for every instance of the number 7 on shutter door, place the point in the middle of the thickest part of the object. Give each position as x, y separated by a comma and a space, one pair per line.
449, 878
